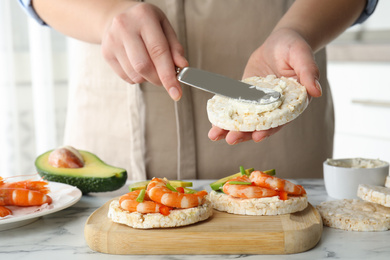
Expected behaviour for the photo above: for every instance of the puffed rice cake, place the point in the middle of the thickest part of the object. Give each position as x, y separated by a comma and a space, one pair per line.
257, 206
232, 114
354, 215
176, 218
375, 194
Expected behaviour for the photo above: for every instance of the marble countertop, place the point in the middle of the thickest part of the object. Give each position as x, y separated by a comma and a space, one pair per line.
60, 235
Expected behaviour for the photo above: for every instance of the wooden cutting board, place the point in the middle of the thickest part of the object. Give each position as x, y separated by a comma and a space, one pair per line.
223, 233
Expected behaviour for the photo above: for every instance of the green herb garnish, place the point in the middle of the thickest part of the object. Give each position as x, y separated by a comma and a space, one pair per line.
169, 186
242, 170
141, 196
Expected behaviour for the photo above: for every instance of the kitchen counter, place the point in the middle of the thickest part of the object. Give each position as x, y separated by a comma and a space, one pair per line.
60, 235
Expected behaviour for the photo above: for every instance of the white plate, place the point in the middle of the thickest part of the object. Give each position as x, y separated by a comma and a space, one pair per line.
63, 196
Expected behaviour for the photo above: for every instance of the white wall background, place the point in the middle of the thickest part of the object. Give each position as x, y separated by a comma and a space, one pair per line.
361, 88
33, 89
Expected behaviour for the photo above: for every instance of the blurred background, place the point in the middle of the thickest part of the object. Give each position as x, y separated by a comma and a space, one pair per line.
35, 69
358, 67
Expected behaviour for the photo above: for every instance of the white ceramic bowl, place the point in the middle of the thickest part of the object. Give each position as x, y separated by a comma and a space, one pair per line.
343, 176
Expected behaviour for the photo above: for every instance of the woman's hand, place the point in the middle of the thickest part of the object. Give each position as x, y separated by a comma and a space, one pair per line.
141, 45
284, 53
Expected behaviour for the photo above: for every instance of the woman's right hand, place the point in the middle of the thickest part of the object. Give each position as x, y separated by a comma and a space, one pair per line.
141, 45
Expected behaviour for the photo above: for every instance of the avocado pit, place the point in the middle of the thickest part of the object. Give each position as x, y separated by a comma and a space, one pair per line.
66, 157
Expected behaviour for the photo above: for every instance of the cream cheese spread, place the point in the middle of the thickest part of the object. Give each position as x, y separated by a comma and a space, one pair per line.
356, 163
251, 107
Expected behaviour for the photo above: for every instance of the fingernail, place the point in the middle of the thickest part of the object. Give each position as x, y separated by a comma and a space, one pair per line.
261, 139
217, 138
318, 86
238, 141
174, 93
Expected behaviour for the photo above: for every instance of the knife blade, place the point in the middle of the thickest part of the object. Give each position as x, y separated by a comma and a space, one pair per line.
221, 85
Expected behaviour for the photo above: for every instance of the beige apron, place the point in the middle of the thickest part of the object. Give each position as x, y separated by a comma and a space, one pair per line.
141, 129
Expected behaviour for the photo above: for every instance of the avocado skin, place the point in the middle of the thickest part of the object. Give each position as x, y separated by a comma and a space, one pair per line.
89, 184
110, 178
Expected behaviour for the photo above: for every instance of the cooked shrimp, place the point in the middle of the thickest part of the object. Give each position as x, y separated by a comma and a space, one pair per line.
5, 212
22, 197
267, 181
128, 202
40, 186
247, 191
158, 191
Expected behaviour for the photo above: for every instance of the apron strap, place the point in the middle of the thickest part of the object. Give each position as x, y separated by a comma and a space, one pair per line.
136, 119
186, 159
186, 164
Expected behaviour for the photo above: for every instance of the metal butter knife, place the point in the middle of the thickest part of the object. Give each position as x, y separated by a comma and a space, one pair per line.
225, 86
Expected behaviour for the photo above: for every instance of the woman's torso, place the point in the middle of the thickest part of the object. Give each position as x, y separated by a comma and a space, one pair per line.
161, 138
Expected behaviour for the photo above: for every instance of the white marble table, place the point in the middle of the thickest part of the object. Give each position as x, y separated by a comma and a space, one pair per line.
60, 235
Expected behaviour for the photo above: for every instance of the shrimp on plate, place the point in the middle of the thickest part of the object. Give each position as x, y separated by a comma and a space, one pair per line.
247, 191
40, 185
128, 202
5, 211
22, 197
159, 192
275, 183
24, 193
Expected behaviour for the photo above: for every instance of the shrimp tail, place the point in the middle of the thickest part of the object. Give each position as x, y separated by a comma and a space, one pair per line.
4, 211
303, 191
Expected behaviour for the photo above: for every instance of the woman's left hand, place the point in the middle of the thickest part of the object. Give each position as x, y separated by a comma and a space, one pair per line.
284, 53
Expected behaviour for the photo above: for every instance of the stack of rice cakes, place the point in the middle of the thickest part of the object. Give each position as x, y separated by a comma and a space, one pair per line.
372, 213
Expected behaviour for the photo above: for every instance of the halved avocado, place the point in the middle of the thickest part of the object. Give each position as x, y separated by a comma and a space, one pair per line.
95, 176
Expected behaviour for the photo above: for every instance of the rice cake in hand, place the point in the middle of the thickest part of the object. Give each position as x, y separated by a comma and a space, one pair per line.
375, 194
354, 215
236, 115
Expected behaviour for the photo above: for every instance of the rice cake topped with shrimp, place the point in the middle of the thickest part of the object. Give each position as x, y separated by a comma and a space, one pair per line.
160, 207
176, 217
236, 115
259, 194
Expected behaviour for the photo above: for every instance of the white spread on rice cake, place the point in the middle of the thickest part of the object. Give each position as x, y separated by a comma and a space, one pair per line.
232, 114
257, 206
375, 194
176, 218
387, 184
355, 215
